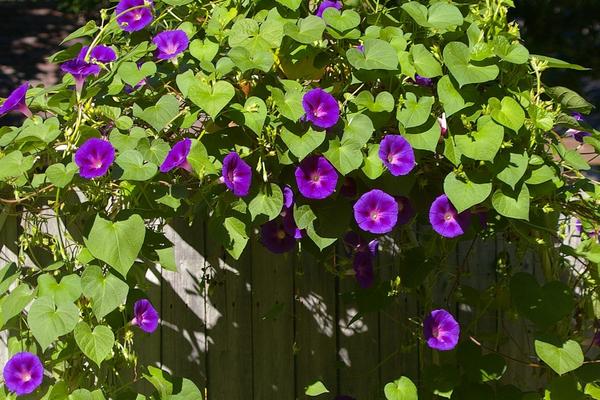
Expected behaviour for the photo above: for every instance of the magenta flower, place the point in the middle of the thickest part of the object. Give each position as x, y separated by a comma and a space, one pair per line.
405, 210
288, 197
170, 44
443, 125
287, 214
422, 81
94, 157
276, 238
322, 109
177, 157
99, 54
80, 70
16, 101
445, 220
23, 373
325, 4
316, 178
136, 19
376, 212
397, 154
441, 330
237, 174
145, 316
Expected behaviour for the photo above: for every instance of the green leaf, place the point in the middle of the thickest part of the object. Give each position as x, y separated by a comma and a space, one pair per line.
134, 167
341, 21
67, 291
358, 129
307, 31
254, 113
204, 50
425, 137
289, 104
401, 389
464, 193
450, 97
304, 216
425, 63
507, 112
556, 63
161, 114
84, 394
238, 236
14, 164
132, 75
246, 59
268, 201
377, 54
373, 167
457, 57
512, 204
200, 160
440, 15
106, 292
415, 112
344, 157
211, 98
569, 99
302, 145
117, 243
514, 171
48, 320
155, 151
384, 102
8, 275
96, 344
540, 175
482, 144
61, 175
562, 359
514, 52
13, 303
316, 389
166, 258
291, 4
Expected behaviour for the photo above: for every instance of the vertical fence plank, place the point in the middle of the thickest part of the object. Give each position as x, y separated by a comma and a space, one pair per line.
272, 324
315, 333
8, 253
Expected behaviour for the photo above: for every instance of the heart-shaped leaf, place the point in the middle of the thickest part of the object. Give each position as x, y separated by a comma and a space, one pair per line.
68, 290
424, 62
117, 243
415, 112
304, 144
246, 59
457, 57
291, 4
288, 103
563, 359
377, 54
14, 164
464, 193
507, 112
199, 159
254, 112
96, 344
512, 204
204, 50
450, 97
160, 115
484, 143
516, 166
440, 15
514, 53
134, 167
132, 75
424, 137
307, 31
341, 21
106, 292
48, 320
384, 102
316, 389
401, 389
61, 175
268, 201
345, 157
211, 98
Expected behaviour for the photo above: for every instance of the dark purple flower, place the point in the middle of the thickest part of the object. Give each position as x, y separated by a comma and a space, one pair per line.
80, 71
441, 330
397, 154
287, 214
237, 175
577, 116
23, 373
363, 269
275, 237
445, 220
349, 188
356, 244
443, 124
145, 316
376, 212
322, 109
16, 101
177, 157
405, 210
316, 178
136, 19
422, 81
99, 54
325, 4
170, 44
288, 197
94, 157
577, 134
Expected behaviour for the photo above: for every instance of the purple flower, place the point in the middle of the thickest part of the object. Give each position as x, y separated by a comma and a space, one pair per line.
137, 19
23, 373
443, 124
575, 133
322, 109
349, 188
376, 212
405, 210
237, 175
170, 43
356, 244
578, 116
325, 4
422, 81
288, 197
145, 316
287, 214
177, 157
441, 330
445, 220
276, 238
80, 71
397, 154
16, 101
363, 269
360, 48
94, 157
316, 178
99, 54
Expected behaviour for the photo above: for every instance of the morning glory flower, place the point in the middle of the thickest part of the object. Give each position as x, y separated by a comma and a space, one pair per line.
441, 330
376, 212
177, 157
23, 373
134, 20
99, 54
405, 210
445, 220
360, 48
422, 81
16, 101
287, 214
322, 109
145, 316
170, 44
575, 133
397, 154
94, 157
443, 124
237, 174
356, 244
325, 4
316, 178
276, 238
80, 70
